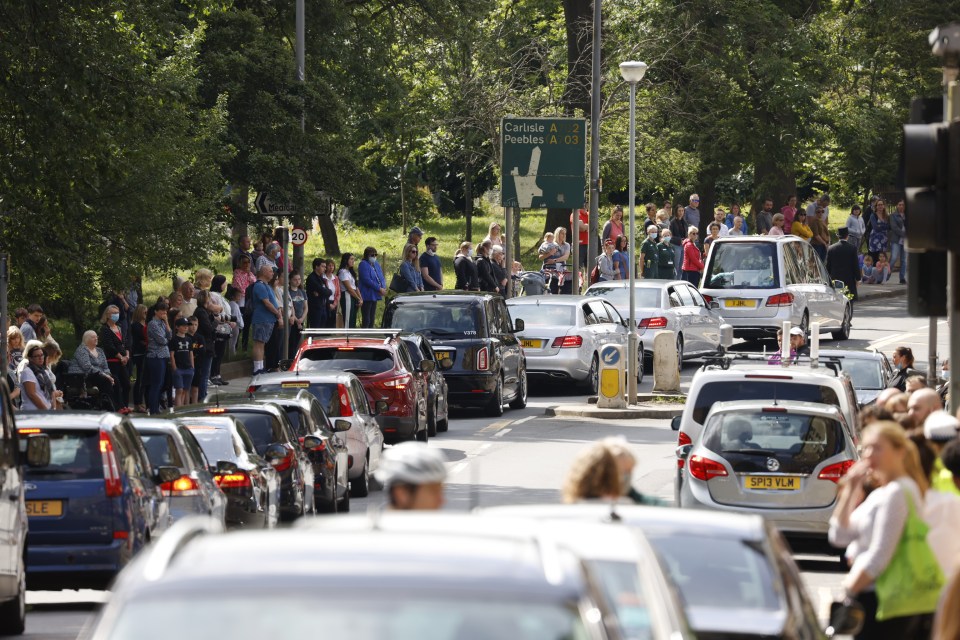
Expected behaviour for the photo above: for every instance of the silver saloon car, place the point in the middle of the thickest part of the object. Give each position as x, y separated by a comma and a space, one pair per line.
667, 305
781, 460
562, 336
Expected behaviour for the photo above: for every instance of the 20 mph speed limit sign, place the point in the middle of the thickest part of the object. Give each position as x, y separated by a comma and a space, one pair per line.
298, 236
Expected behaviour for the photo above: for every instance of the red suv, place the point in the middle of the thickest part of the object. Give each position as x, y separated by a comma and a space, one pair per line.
385, 369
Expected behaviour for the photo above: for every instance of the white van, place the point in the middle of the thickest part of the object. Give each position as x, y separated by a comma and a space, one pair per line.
762, 281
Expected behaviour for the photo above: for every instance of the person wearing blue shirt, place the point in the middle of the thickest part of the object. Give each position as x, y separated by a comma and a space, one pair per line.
430, 268
372, 286
266, 315
410, 268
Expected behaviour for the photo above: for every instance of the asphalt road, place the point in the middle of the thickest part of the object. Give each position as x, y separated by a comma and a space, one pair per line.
522, 458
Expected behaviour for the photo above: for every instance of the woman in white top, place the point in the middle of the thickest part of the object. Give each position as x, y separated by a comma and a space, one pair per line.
351, 299
37, 390
870, 526
495, 235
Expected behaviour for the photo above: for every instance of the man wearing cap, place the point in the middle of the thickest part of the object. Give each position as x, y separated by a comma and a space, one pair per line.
813, 209
939, 429
650, 254
414, 236
796, 345
842, 262
412, 475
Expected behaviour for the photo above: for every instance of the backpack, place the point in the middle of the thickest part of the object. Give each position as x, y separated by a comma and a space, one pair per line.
595, 273
248, 299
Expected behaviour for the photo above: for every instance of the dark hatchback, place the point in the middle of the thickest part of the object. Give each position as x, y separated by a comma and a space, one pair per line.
250, 483
275, 440
474, 341
95, 505
438, 408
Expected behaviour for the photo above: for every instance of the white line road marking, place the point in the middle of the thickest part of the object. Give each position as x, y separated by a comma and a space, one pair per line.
501, 433
486, 445
522, 420
457, 468
900, 337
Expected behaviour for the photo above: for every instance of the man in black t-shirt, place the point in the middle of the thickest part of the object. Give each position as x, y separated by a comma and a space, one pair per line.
181, 360
198, 347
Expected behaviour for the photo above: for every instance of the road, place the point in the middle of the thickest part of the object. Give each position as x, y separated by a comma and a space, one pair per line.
522, 458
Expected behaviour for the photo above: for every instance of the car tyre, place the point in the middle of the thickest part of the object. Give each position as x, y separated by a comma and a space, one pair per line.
520, 401
593, 376
444, 425
421, 434
641, 369
343, 505
495, 407
360, 488
680, 352
432, 421
13, 614
844, 332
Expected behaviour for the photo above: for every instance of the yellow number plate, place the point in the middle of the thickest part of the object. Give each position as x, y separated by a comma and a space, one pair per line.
294, 385
531, 344
441, 355
738, 303
772, 483
44, 508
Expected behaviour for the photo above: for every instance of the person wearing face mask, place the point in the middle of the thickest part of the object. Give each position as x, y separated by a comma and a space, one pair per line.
372, 286
665, 255
430, 267
650, 254
113, 342
944, 387
903, 366
466, 270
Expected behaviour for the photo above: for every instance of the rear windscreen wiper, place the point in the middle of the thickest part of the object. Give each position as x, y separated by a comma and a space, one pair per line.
360, 372
51, 472
751, 452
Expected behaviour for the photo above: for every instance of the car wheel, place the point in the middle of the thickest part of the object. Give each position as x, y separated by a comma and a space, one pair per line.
343, 505
444, 425
520, 401
680, 352
593, 376
844, 331
421, 432
432, 421
495, 407
641, 369
805, 323
360, 488
13, 613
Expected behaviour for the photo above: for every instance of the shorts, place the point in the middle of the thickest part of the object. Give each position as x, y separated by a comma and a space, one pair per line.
262, 331
182, 378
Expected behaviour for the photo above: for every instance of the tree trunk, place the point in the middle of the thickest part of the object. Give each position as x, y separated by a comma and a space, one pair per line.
239, 210
556, 218
773, 182
578, 19
468, 199
328, 231
516, 236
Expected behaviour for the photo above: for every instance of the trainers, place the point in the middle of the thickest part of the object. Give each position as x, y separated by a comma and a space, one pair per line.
259, 372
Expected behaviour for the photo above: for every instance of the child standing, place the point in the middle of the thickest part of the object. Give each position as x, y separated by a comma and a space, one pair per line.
181, 361
198, 349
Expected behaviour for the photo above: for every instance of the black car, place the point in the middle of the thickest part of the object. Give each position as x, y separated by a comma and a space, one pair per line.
327, 450
251, 484
474, 343
438, 409
275, 440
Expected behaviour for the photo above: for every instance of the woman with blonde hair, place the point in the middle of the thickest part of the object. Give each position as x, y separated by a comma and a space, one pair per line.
871, 526
594, 475
14, 346
495, 234
410, 268
113, 341
626, 461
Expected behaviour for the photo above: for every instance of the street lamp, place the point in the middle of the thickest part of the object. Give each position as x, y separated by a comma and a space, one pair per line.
633, 73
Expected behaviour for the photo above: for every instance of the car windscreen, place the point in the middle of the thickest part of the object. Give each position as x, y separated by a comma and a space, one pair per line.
365, 615
620, 582
263, 428
441, 320
162, 450
74, 455
713, 572
644, 297
748, 440
217, 443
864, 374
759, 389
545, 315
743, 265
325, 392
362, 361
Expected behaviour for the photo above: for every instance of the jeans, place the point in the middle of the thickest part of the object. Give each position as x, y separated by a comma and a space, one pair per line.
820, 250
121, 384
897, 253
156, 372
693, 277
139, 368
678, 260
201, 374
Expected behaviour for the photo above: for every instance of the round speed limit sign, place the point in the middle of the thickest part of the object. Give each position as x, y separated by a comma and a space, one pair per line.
298, 236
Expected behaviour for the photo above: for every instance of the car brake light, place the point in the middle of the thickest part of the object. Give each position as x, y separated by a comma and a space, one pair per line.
835, 472
283, 463
683, 438
774, 410
766, 377
252, 388
217, 410
111, 471
26, 432
780, 300
483, 359
237, 480
658, 322
345, 348
567, 342
121, 535
395, 383
706, 298
345, 410
703, 468
182, 486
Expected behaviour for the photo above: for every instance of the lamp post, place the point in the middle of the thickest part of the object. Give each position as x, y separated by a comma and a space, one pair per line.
594, 215
633, 73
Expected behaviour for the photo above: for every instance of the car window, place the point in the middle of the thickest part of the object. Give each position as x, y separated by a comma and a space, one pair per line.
674, 297
358, 360
74, 455
415, 354
697, 298
505, 317
749, 440
440, 319
759, 389
685, 298
645, 297
426, 351
600, 312
589, 316
811, 264
743, 265
792, 259
129, 455
545, 315
404, 355
359, 399
865, 374
218, 443
263, 428
193, 448
324, 392
620, 582
298, 421
613, 313
162, 450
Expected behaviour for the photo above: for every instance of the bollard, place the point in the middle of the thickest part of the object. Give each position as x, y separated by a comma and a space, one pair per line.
726, 337
610, 389
666, 367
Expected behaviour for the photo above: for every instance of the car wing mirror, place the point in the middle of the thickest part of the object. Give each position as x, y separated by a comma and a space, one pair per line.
284, 365
381, 406
714, 305
675, 423
38, 450
225, 467
839, 285
683, 451
427, 366
166, 474
518, 325
312, 442
275, 453
341, 425
846, 618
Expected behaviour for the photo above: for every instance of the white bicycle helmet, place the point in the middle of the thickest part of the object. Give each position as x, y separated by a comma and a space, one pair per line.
410, 463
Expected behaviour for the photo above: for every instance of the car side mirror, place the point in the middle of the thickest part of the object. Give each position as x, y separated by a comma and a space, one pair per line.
341, 425
714, 305
166, 474
380, 407
225, 467
839, 285
427, 366
518, 325
683, 451
675, 423
312, 442
275, 453
38, 450
284, 365
846, 618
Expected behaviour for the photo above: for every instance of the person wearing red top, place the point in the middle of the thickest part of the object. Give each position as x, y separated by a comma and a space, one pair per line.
584, 220
789, 211
692, 258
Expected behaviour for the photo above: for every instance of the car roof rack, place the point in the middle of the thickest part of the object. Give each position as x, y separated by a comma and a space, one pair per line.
831, 362
330, 334
174, 540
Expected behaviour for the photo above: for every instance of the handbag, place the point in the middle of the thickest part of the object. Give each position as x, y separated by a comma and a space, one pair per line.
912, 582
398, 283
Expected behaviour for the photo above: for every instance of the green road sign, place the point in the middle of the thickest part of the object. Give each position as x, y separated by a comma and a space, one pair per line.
543, 162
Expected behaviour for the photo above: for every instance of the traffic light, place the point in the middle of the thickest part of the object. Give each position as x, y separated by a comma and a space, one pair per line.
926, 166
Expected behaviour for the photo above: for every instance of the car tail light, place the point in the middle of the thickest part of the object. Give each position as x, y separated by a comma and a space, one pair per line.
121, 535
706, 298
483, 359
252, 388
216, 410
780, 300
774, 410
28, 431
704, 468
659, 322
238, 480
683, 438
111, 471
182, 486
567, 342
345, 409
395, 383
835, 472
284, 463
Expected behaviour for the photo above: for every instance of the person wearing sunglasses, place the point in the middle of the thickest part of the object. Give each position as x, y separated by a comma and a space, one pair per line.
410, 268
692, 258
692, 213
